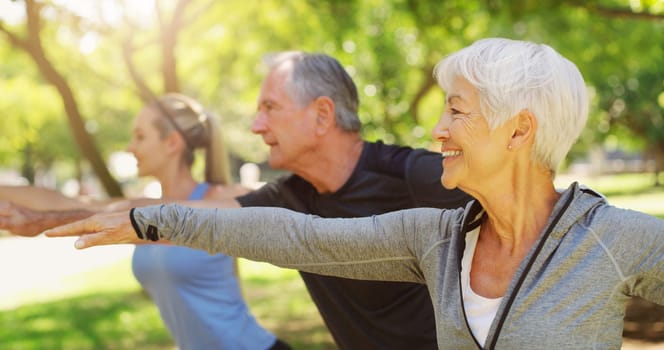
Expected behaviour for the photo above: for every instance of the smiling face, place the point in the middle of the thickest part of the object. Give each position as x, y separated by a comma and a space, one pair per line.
144, 143
285, 126
473, 155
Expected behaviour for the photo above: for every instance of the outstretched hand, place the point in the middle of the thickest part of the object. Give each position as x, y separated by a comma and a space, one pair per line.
20, 220
100, 229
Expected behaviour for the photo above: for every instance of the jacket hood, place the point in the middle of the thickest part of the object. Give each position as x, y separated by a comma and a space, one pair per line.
574, 203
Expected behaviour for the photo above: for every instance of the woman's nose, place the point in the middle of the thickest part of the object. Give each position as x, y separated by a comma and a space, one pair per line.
440, 131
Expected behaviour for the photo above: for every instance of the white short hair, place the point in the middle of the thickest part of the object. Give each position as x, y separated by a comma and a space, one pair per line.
511, 76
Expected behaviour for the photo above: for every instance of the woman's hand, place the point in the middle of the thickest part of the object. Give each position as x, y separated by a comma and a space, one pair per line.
100, 229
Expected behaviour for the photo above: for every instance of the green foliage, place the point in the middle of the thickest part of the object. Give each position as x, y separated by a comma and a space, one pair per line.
32, 132
389, 46
620, 56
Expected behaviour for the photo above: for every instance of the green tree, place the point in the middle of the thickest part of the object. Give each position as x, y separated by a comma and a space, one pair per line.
212, 50
32, 45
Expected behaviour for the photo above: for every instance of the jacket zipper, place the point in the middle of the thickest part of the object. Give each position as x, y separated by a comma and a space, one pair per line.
523, 276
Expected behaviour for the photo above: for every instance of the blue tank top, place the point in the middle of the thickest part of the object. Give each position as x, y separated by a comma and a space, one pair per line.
198, 296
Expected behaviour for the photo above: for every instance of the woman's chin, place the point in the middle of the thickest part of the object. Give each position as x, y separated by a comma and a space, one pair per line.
447, 183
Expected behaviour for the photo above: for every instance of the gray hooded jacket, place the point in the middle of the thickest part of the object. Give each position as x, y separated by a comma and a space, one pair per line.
570, 292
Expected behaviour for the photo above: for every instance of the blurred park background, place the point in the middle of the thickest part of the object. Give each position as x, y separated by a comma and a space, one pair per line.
74, 73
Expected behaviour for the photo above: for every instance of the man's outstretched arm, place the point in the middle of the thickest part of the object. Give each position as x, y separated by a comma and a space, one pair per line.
29, 210
28, 222
41, 198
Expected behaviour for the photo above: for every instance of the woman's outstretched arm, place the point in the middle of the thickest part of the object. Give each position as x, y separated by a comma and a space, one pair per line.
384, 247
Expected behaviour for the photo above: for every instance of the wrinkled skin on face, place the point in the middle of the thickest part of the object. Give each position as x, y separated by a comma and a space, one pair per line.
286, 127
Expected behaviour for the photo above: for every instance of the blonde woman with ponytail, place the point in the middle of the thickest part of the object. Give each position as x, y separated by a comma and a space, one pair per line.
198, 294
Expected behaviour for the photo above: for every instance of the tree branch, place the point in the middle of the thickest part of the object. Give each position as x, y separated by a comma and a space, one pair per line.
625, 13
617, 12
194, 14
13, 38
169, 31
144, 91
33, 47
421, 92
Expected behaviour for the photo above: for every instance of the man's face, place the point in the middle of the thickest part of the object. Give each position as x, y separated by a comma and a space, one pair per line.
288, 128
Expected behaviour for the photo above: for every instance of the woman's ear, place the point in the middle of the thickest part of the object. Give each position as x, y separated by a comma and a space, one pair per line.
325, 114
524, 129
174, 142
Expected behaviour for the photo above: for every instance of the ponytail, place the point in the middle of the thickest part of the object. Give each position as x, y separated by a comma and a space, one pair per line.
217, 164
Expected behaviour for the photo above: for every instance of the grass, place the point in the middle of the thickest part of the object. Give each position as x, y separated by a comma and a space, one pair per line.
279, 300
105, 320
105, 309
98, 309
632, 191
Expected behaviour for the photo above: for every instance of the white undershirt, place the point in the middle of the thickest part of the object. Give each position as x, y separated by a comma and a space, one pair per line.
480, 311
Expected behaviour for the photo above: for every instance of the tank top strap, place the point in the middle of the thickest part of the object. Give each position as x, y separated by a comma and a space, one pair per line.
199, 191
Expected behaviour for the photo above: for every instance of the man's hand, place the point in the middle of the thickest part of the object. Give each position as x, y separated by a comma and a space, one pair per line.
100, 229
22, 221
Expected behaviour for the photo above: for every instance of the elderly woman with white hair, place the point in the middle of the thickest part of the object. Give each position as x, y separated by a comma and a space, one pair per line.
522, 266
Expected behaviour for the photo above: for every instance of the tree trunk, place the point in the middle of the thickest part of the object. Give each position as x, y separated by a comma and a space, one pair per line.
83, 140
656, 154
33, 46
28, 167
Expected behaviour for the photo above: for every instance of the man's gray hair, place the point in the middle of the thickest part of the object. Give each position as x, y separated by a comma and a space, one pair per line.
316, 75
511, 76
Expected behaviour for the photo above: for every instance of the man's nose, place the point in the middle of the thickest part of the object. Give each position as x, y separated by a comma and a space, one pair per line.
259, 125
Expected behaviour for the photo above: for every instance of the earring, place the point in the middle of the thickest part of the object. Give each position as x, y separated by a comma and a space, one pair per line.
509, 147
